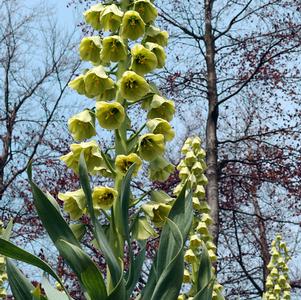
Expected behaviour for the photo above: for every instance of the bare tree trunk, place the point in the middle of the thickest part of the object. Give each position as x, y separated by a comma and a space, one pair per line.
211, 129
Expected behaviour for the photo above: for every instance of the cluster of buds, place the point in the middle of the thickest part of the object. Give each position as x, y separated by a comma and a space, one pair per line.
3, 275
191, 172
277, 283
129, 48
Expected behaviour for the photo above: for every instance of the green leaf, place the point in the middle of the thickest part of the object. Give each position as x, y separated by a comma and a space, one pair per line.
8, 230
135, 269
10, 250
122, 207
170, 281
99, 234
78, 230
181, 214
205, 293
51, 292
119, 291
53, 222
19, 284
204, 272
85, 269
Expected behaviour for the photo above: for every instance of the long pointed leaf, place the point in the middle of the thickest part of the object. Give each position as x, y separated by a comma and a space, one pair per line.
85, 269
19, 284
10, 250
205, 293
170, 281
98, 230
205, 272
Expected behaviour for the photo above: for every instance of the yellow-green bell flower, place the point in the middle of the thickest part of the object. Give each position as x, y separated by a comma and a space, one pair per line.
133, 86
161, 126
133, 26
159, 52
204, 207
202, 228
142, 230
160, 169
158, 212
110, 18
92, 16
91, 152
212, 255
110, 115
189, 256
82, 125
78, 84
199, 192
161, 108
151, 146
181, 297
197, 169
123, 163
113, 49
97, 81
89, 49
207, 219
146, 9
108, 94
195, 242
103, 197
143, 60
74, 203
186, 276
155, 35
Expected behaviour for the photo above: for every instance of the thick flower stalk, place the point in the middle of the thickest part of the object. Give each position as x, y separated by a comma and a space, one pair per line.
191, 171
3, 275
277, 282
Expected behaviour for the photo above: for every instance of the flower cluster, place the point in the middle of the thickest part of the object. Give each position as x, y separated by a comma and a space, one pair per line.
129, 48
3, 275
191, 172
277, 283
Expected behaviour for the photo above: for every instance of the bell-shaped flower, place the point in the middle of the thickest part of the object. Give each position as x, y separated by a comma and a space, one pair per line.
201, 154
211, 245
199, 192
202, 228
159, 52
197, 169
123, 163
204, 207
110, 18
92, 16
133, 86
151, 146
74, 203
184, 173
133, 26
108, 94
160, 169
143, 60
207, 219
97, 81
82, 125
195, 242
161, 197
189, 256
103, 197
161, 108
181, 297
158, 212
274, 272
110, 115
190, 159
113, 49
89, 49
146, 9
155, 35
186, 148
203, 180
212, 255
142, 230
186, 276
161, 126
78, 84
91, 152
